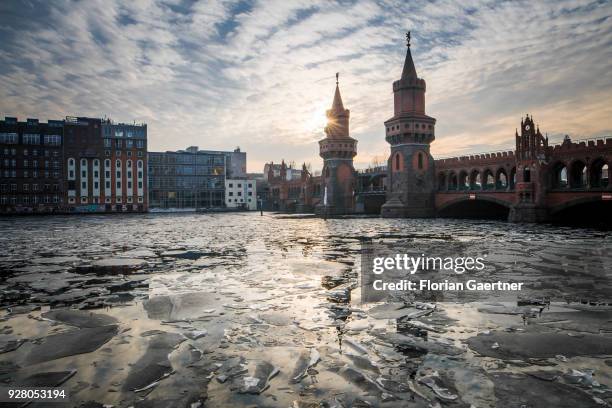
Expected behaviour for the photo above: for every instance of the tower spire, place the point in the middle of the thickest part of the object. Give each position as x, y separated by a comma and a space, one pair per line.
337, 105
409, 70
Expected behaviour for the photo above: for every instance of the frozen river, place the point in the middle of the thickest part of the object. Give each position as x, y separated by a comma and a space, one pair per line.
239, 309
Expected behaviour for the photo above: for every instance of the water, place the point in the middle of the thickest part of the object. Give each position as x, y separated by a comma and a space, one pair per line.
199, 302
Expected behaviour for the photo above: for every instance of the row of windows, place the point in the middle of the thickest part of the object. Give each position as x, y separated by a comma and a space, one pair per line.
107, 184
96, 200
140, 144
229, 200
239, 193
29, 200
34, 163
96, 163
27, 187
26, 152
407, 126
239, 185
34, 174
118, 153
124, 132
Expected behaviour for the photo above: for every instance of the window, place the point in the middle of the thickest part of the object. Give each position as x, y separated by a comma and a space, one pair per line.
8, 138
53, 140
118, 164
108, 143
118, 133
129, 143
119, 143
31, 139
420, 161
140, 144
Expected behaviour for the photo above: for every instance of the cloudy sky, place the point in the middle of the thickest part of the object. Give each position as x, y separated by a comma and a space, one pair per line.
260, 74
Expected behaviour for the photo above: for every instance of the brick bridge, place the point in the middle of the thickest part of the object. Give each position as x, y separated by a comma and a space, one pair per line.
536, 182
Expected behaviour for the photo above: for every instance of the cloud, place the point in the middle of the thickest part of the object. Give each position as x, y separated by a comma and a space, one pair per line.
260, 74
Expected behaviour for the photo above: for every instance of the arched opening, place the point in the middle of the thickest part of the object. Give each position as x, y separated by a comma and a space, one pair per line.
441, 181
420, 161
513, 178
475, 180
599, 174
559, 176
578, 175
489, 180
452, 181
475, 209
397, 162
594, 213
527, 175
502, 180
464, 182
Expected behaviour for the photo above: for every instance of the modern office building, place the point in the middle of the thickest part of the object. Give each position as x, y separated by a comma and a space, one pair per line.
189, 178
31, 166
241, 194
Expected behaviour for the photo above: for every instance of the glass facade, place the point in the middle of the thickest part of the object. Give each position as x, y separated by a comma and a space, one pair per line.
186, 179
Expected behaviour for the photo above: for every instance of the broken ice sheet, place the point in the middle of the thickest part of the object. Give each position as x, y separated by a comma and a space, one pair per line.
306, 360
70, 343
259, 381
154, 364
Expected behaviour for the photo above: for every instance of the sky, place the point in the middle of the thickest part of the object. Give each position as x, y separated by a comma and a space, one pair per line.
260, 74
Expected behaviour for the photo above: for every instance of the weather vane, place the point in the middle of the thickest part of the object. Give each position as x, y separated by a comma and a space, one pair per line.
408, 39
337, 75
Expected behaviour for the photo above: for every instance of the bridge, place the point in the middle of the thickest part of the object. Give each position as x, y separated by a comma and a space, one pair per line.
370, 191
537, 182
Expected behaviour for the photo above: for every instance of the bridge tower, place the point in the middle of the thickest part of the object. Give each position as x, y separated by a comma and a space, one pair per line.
532, 157
411, 179
337, 150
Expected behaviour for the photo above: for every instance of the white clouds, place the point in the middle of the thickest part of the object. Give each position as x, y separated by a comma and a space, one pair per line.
219, 74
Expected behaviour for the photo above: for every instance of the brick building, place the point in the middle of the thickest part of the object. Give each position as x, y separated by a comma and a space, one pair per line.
31, 166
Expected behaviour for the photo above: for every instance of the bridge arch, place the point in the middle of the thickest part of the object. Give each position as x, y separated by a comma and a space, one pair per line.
512, 179
578, 174
442, 181
501, 179
482, 206
464, 181
584, 211
559, 175
599, 176
475, 180
488, 180
452, 181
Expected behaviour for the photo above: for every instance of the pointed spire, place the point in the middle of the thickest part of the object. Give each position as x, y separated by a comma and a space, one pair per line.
409, 70
337, 105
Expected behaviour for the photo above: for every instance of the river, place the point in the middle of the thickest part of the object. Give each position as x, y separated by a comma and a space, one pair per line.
238, 309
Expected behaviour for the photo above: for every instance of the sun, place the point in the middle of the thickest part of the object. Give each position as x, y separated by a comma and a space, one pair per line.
316, 119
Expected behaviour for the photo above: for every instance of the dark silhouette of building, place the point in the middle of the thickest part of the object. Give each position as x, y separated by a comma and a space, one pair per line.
337, 150
410, 131
31, 166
